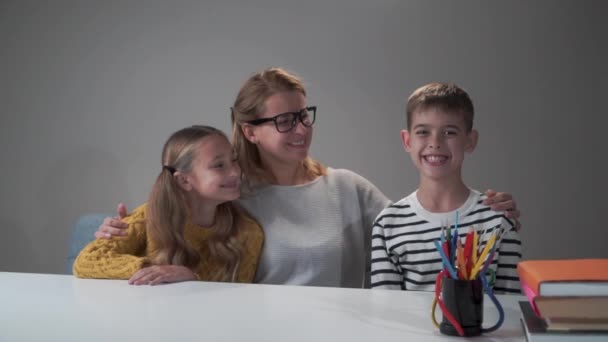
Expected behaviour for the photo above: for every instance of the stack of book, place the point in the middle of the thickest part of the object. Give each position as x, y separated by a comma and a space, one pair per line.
567, 299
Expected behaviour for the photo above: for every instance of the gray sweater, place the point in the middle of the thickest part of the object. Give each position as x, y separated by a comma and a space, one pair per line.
316, 234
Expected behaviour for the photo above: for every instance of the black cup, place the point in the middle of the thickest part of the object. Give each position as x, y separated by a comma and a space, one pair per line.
464, 300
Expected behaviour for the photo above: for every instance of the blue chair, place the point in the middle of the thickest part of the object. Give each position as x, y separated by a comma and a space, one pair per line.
82, 233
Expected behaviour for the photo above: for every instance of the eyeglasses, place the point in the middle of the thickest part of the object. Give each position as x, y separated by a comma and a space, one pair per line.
285, 122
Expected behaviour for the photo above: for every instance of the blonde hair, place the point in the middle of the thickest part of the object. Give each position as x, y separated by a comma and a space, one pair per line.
249, 104
168, 211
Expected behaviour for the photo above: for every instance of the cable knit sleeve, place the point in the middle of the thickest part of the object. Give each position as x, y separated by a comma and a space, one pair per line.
117, 258
252, 238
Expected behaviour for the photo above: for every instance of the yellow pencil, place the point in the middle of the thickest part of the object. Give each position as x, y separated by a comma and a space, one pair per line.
482, 256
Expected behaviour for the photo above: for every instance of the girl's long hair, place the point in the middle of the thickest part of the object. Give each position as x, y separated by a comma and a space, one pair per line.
249, 104
168, 212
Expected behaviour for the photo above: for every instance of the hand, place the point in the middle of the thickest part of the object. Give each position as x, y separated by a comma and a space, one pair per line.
113, 226
502, 201
158, 274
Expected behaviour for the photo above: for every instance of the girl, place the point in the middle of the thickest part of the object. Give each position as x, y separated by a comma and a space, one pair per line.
189, 229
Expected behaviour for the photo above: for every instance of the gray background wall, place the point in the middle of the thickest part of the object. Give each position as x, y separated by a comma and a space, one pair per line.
90, 90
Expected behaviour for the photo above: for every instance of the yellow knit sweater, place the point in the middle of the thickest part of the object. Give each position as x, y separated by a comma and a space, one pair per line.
122, 256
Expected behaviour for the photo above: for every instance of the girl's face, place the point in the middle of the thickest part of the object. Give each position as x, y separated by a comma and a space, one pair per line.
215, 175
281, 148
437, 143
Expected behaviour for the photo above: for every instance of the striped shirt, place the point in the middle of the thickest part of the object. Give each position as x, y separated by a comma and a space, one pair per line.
404, 255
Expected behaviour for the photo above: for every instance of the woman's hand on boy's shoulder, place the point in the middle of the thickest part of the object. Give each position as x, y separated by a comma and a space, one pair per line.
113, 226
502, 201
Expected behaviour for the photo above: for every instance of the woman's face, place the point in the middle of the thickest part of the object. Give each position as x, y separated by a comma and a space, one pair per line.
282, 148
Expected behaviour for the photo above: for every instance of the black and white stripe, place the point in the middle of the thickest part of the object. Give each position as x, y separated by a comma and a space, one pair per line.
403, 254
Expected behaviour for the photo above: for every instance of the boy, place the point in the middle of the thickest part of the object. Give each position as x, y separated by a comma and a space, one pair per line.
439, 132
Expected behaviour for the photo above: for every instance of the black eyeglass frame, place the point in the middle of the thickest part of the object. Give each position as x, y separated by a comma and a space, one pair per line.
296, 116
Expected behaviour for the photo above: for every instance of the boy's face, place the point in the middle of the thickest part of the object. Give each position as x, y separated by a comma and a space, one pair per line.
437, 142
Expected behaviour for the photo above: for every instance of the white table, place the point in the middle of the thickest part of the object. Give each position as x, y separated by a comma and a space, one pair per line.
45, 307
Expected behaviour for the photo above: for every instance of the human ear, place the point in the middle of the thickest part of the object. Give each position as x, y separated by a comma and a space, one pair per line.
249, 133
406, 140
472, 139
183, 181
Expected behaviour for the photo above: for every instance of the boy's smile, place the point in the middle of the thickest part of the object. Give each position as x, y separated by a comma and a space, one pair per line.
435, 159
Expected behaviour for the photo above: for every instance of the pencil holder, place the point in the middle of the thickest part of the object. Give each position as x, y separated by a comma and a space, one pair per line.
461, 303
463, 299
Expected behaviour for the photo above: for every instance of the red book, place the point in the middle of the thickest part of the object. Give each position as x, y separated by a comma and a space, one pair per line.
531, 295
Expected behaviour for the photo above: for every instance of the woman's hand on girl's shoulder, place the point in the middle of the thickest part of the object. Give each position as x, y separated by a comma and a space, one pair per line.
113, 226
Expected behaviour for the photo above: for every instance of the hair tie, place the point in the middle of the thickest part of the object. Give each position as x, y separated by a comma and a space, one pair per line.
232, 118
169, 168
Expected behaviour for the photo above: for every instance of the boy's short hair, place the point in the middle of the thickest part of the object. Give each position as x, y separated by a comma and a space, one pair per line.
446, 96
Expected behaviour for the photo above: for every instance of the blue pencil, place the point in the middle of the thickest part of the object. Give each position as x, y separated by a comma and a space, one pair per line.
445, 261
